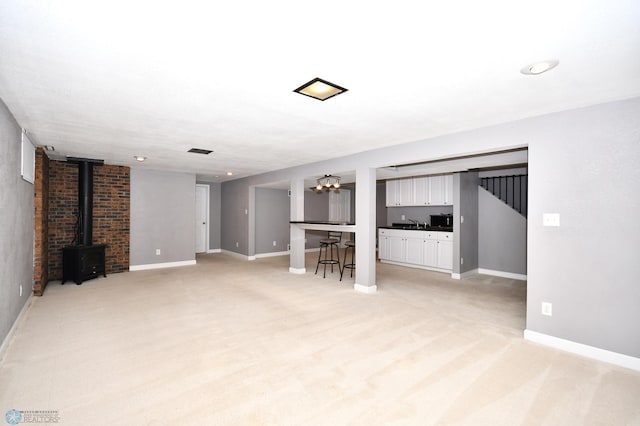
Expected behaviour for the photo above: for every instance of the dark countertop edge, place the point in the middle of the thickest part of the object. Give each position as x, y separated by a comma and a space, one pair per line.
432, 229
319, 222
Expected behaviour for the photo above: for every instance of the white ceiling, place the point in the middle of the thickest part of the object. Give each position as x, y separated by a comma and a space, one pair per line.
114, 79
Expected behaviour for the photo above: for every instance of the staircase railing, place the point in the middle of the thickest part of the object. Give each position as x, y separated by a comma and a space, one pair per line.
510, 189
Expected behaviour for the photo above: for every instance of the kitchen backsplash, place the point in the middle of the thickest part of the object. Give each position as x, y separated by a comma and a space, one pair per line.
422, 214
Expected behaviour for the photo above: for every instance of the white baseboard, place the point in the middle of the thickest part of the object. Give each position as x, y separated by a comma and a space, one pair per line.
463, 275
502, 274
409, 265
214, 251
367, 289
161, 265
234, 254
23, 312
273, 254
604, 355
298, 270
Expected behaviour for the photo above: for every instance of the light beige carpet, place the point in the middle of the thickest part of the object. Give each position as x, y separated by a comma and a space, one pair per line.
231, 342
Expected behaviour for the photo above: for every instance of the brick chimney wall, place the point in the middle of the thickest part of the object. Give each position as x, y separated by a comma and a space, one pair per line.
41, 214
110, 213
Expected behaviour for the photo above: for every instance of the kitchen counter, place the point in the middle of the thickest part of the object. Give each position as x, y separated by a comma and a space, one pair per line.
324, 225
409, 227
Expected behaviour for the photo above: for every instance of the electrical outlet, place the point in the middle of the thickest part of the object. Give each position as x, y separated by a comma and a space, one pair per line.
403, 217
462, 260
547, 309
20, 290
274, 243
237, 244
157, 252
551, 219
461, 219
246, 211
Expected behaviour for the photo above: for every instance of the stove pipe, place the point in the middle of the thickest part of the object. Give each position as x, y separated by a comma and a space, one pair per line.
85, 203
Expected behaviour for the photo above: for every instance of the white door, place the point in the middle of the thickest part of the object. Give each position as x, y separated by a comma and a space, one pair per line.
340, 206
202, 218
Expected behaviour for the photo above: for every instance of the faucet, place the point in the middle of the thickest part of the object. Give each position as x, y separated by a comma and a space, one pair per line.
415, 222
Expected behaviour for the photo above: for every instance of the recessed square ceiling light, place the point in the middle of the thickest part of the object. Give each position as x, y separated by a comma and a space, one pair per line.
320, 89
200, 151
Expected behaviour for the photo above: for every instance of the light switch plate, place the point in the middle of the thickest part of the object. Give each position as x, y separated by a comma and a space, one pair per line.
551, 219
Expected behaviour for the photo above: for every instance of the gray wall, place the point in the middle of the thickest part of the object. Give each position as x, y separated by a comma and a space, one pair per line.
16, 225
316, 207
502, 235
272, 220
465, 200
584, 165
588, 272
162, 216
234, 228
214, 214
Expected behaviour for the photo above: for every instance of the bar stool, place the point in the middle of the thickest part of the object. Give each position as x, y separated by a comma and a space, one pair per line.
332, 240
349, 245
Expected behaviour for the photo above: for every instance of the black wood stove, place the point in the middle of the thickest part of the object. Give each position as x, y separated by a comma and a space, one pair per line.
84, 260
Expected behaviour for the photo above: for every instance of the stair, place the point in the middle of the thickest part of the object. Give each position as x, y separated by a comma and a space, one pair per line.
512, 190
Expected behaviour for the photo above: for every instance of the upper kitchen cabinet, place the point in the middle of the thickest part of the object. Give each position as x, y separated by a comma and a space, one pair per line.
400, 192
440, 190
429, 191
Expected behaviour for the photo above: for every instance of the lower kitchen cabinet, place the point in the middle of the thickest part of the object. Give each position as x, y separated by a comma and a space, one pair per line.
422, 249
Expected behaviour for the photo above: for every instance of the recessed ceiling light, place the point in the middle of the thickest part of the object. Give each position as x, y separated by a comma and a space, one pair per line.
320, 89
139, 158
229, 173
539, 67
200, 151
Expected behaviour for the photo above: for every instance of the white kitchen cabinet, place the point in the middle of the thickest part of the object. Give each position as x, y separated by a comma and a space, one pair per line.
430, 253
436, 190
448, 190
400, 193
421, 249
445, 250
397, 248
413, 250
421, 191
383, 246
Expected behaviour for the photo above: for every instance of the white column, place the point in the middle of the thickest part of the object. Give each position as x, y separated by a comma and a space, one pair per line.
365, 230
296, 255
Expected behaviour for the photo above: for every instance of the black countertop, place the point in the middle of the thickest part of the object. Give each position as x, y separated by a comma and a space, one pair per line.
409, 227
321, 222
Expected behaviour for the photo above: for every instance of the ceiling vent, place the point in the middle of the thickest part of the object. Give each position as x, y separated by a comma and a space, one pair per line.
200, 151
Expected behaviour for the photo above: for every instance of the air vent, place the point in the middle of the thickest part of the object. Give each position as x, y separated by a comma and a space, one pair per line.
200, 151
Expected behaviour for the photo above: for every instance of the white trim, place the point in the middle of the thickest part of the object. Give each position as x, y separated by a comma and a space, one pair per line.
367, 289
273, 254
23, 312
463, 275
604, 355
502, 274
208, 202
410, 265
299, 271
251, 258
161, 265
214, 251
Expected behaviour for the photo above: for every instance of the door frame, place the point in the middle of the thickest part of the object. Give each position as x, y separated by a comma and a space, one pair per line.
207, 191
